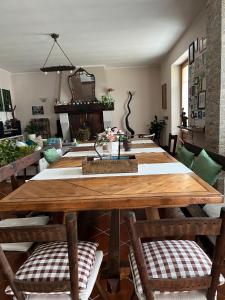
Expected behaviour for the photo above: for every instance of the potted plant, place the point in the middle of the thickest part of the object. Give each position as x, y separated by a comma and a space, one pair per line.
107, 100
156, 127
31, 130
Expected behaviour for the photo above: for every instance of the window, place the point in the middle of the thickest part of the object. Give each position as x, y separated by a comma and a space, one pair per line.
184, 87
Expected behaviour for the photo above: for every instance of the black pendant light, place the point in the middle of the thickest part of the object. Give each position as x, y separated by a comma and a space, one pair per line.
57, 69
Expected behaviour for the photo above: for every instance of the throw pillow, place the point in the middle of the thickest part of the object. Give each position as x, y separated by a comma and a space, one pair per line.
51, 155
206, 168
185, 157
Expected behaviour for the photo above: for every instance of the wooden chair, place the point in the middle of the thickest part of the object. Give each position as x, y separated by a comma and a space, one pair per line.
67, 259
177, 266
171, 148
21, 222
147, 136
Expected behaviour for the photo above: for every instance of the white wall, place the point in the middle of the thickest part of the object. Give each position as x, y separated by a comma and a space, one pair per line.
145, 81
6, 83
196, 30
28, 89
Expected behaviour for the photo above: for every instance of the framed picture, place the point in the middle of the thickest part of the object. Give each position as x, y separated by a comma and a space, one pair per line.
7, 100
37, 110
1, 101
201, 99
200, 114
204, 43
164, 96
191, 55
194, 90
196, 80
196, 45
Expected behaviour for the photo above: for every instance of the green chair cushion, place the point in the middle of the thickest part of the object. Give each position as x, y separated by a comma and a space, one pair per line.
51, 155
185, 157
206, 168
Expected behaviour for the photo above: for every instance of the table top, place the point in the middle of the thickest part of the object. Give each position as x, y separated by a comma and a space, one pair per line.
108, 192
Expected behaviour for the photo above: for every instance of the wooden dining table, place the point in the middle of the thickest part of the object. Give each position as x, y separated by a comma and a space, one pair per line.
166, 183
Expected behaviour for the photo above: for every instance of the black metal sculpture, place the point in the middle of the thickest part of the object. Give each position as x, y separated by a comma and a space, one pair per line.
127, 116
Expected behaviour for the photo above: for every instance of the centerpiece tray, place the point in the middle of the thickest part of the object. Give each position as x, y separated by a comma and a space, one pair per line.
109, 165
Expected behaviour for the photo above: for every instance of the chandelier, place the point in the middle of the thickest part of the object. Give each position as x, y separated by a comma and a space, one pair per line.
57, 69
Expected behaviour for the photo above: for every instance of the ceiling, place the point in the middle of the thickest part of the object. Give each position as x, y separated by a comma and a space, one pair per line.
92, 32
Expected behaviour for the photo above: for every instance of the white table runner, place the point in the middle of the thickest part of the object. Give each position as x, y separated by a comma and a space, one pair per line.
84, 145
132, 151
146, 141
143, 169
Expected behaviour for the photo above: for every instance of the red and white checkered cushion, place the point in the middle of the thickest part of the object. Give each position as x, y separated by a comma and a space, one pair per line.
50, 262
172, 259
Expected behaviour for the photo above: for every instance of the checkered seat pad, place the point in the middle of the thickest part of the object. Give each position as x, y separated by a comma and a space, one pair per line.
171, 260
49, 262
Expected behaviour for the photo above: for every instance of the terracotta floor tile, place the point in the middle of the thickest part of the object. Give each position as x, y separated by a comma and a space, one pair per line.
95, 233
103, 222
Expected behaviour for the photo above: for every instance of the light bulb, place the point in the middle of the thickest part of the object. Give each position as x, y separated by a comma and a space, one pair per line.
71, 71
46, 73
58, 72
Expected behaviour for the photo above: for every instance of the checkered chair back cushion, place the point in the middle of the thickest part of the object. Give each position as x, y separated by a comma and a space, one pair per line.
49, 262
172, 260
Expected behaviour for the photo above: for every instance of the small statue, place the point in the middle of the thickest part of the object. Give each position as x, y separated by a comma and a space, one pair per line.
184, 118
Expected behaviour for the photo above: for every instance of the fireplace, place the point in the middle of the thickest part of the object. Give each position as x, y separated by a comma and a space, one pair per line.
73, 117
84, 109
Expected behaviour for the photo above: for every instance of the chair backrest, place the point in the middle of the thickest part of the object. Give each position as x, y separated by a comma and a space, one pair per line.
147, 136
45, 233
173, 228
172, 143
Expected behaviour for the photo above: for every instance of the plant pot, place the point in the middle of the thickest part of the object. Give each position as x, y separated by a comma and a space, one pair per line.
31, 136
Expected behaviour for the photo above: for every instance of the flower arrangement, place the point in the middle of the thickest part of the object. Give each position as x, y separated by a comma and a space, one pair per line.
110, 135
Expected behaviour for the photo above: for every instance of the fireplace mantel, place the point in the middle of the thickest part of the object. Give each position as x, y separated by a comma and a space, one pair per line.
81, 108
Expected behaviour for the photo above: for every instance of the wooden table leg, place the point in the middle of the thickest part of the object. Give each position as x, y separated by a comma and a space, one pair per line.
113, 276
152, 213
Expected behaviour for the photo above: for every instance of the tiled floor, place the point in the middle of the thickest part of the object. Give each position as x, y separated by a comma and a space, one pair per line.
98, 225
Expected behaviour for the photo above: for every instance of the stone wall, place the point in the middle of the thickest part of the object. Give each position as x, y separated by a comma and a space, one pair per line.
215, 76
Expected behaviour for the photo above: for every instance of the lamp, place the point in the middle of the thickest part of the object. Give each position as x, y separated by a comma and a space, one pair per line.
57, 69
